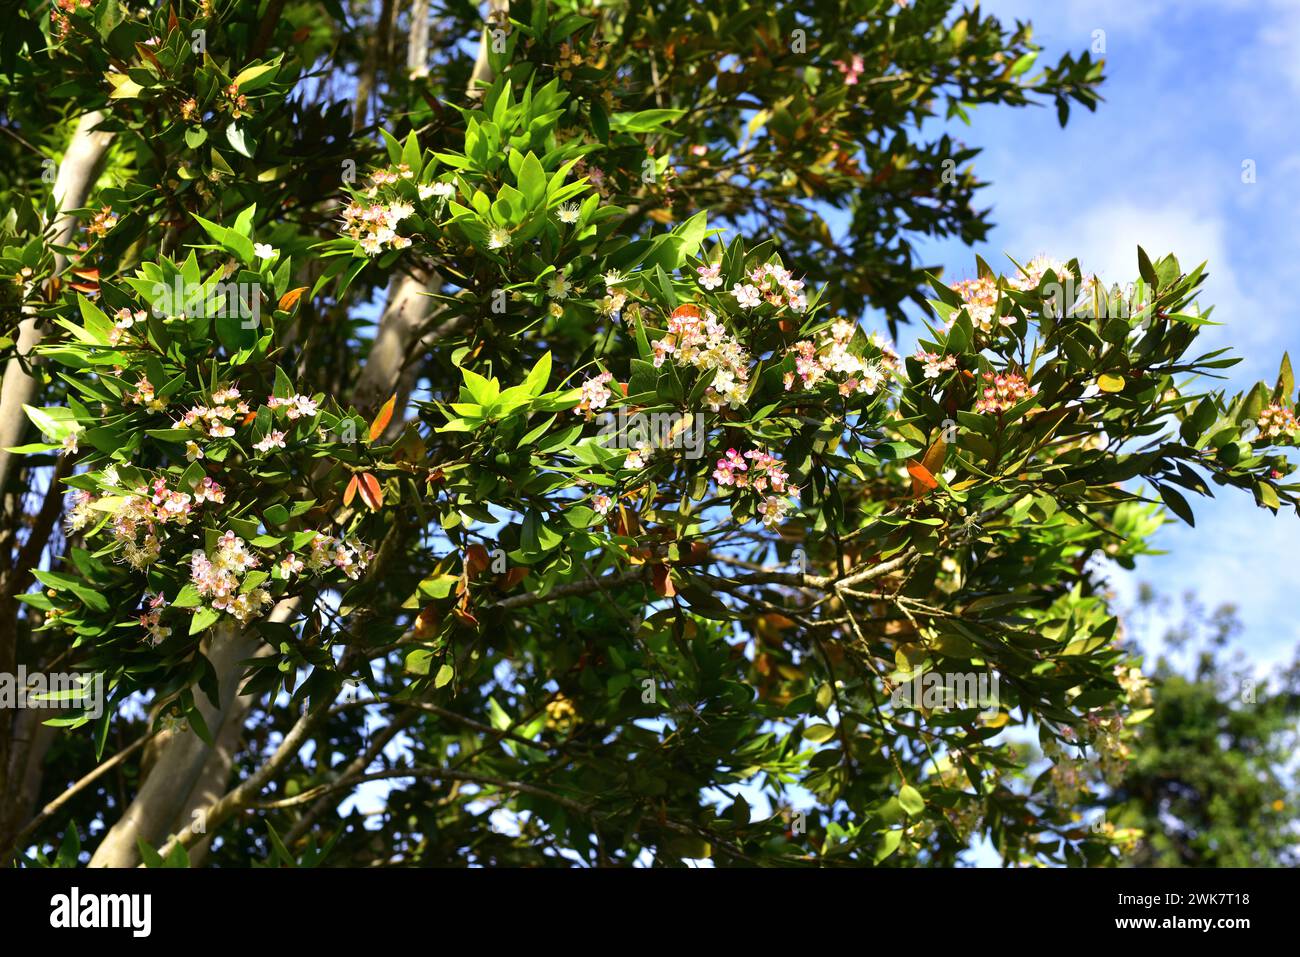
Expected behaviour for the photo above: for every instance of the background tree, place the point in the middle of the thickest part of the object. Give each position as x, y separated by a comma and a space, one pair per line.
311, 549
1212, 780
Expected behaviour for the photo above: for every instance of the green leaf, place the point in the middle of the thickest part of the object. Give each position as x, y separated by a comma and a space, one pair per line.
911, 800
1177, 504
644, 121
203, 619
818, 733
532, 181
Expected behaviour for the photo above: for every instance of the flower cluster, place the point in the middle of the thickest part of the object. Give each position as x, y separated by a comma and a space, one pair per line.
760, 472
59, 15
135, 519
769, 283
595, 395
151, 620
442, 191
828, 356
124, 319
327, 551
710, 275
144, 395
295, 406
374, 226
703, 342
1105, 734
219, 578
981, 299
852, 70
214, 420
1277, 421
1135, 685
933, 364
733, 469
1002, 391
102, 222
1036, 269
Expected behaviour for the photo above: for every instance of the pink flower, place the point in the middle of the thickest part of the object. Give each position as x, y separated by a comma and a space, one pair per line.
595, 394
1002, 391
273, 440
852, 70
209, 491
710, 276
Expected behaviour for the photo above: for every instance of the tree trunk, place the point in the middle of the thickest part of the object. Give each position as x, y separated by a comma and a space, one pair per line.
20, 769
72, 186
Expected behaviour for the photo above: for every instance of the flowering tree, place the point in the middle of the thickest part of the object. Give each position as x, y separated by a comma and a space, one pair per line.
498, 439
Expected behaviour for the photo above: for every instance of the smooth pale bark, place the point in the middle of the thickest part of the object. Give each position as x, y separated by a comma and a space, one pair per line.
72, 186
20, 767
180, 759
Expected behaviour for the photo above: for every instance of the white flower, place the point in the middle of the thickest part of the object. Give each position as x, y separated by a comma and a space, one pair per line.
444, 190
264, 251
747, 296
498, 238
614, 277
274, 440
557, 287
568, 213
710, 276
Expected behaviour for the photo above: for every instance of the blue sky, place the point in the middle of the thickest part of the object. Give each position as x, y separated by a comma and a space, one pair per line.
1194, 88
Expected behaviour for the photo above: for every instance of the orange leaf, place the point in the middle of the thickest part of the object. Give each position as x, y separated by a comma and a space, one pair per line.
934, 455
371, 493
426, 623
383, 418
290, 299
922, 480
351, 491
476, 560
663, 582
514, 577
688, 309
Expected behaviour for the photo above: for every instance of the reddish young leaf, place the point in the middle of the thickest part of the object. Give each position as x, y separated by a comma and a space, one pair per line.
383, 418
513, 577
290, 299
476, 560
351, 491
371, 493
688, 309
661, 576
922, 480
